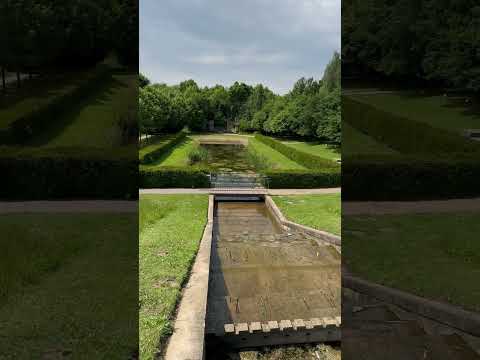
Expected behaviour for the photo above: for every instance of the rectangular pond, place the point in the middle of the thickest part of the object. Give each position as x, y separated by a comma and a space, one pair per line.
229, 157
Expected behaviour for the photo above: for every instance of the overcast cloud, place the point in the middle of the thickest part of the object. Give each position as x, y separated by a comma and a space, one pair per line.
273, 42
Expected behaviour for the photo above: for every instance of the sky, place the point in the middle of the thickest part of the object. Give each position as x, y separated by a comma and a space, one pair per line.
272, 42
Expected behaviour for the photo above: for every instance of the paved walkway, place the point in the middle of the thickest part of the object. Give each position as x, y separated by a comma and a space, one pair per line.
242, 191
408, 207
77, 206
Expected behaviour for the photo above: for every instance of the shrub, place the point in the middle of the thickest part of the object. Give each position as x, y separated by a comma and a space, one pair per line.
163, 148
197, 154
24, 128
174, 178
410, 178
67, 173
402, 134
306, 179
308, 160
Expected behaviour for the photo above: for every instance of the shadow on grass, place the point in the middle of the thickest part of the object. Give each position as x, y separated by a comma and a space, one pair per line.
467, 103
41, 87
99, 97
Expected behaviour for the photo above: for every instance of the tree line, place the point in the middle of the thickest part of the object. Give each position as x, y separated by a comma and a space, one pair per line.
311, 109
434, 41
41, 36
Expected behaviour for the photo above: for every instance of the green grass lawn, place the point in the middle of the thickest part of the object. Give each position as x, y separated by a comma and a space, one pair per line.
275, 159
36, 94
159, 141
440, 111
323, 150
355, 142
431, 255
68, 284
171, 227
93, 123
177, 157
320, 212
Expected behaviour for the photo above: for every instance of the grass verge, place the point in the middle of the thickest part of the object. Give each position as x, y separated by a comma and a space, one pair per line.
171, 228
430, 255
320, 212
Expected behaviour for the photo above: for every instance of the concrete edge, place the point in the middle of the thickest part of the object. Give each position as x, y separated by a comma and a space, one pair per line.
188, 339
282, 325
451, 315
280, 218
211, 207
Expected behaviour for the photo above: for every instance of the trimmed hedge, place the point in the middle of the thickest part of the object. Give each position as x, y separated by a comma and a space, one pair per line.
410, 178
308, 160
156, 154
402, 134
302, 179
29, 125
67, 173
170, 177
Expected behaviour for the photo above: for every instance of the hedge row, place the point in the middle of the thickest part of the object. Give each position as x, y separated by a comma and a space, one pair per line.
302, 179
410, 178
308, 160
170, 177
163, 148
22, 129
67, 175
402, 134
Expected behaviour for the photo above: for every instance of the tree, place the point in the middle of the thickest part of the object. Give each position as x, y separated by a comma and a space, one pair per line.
332, 76
143, 80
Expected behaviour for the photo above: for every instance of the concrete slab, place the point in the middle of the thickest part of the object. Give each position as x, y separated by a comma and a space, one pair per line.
187, 340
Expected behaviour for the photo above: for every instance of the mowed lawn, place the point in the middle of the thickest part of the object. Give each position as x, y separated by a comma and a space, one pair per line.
450, 113
318, 149
93, 122
322, 212
430, 255
36, 94
275, 160
155, 144
355, 142
171, 227
68, 286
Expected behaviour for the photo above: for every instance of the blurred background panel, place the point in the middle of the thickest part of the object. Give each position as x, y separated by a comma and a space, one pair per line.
68, 198
410, 169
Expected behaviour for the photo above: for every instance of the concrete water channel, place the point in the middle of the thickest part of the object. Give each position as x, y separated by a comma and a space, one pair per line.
268, 285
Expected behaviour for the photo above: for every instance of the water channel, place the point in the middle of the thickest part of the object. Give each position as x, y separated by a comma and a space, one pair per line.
259, 272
